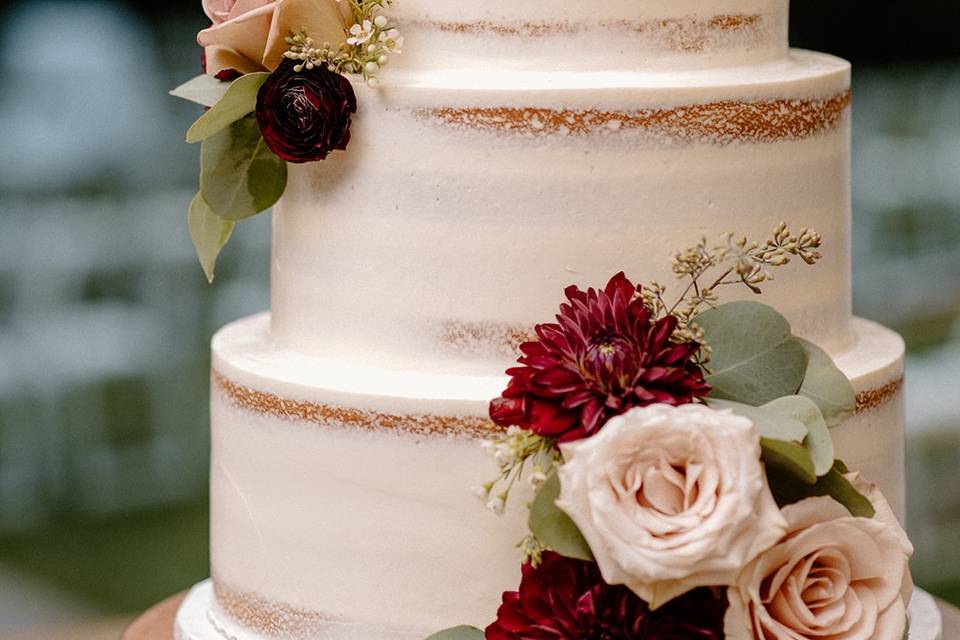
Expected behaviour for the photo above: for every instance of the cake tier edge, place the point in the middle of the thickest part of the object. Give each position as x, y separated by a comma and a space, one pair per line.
389, 457
196, 619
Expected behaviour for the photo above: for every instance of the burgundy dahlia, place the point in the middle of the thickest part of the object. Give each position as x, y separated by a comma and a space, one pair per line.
604, 356
304, 115
566, 599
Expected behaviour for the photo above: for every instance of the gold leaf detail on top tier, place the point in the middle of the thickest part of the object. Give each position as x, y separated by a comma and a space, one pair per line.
333, 416
719, 123
688, 35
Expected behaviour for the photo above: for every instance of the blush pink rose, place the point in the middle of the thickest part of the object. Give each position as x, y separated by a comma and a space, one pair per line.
250, 35
670, 499
832, 576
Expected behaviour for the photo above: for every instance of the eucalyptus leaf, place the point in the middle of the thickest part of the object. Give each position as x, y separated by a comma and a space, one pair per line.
239, 101
239, 175
788, 462
458, 633
553, 527
770, 424
818, 441
205, 90
754, 357
826, 385
210, 233
833, 484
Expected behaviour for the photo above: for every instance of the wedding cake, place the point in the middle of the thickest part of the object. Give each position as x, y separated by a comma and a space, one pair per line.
513, 149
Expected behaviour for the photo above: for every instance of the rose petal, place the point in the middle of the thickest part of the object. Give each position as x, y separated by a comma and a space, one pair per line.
325, 21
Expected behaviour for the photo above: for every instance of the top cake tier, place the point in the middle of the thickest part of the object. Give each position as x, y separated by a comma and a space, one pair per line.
599, 34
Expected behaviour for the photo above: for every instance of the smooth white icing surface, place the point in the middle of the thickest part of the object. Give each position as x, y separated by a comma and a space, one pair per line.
425, 224
376, 527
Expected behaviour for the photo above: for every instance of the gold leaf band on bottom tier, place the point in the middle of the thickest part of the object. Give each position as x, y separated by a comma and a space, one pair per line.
271, 619
327, 415
720, 123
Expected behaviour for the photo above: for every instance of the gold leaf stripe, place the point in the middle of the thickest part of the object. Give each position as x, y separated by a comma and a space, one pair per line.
271, 619
875, 398
690, 34
328, 415
720, 123
484, 338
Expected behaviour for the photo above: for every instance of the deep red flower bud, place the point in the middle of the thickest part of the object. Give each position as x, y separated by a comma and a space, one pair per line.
304, 115
227, 75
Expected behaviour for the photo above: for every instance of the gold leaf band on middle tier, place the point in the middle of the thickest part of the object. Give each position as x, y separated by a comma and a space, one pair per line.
719, 123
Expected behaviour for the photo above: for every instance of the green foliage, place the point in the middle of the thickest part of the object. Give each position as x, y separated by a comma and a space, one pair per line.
239, 175
754, 357
554, 528
798, 452
239, 101
770, 424
209, 232
826, 385
817, 440
458, 633
787, 461
833, 484
204, 90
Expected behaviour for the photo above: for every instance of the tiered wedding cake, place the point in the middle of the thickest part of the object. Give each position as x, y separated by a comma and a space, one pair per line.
516, 147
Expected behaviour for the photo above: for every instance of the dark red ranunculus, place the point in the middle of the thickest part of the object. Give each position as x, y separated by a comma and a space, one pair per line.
304, 115
604, 356
566, 599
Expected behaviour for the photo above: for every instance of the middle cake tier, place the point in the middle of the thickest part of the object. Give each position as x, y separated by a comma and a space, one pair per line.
469, 200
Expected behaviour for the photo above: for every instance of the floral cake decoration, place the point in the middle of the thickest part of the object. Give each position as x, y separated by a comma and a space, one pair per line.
277, 90
682, 472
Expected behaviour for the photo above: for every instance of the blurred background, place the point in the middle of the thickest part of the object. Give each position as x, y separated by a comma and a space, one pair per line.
105, 316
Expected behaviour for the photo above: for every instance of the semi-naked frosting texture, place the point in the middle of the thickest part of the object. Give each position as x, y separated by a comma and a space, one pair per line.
515, 148
341, 494
493, 195
586, 36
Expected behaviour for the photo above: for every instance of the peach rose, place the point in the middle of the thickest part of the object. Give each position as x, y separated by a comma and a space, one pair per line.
250, 35
670, 499
833, 576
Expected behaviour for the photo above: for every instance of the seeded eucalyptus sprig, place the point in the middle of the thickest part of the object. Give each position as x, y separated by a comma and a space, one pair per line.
734, 261
512, 451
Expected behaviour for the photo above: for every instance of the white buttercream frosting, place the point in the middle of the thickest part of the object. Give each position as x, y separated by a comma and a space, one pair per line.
586, 36
356, 520
517, 148
440, 222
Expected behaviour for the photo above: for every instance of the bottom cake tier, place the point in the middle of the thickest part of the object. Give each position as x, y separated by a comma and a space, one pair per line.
199, 619
340, 494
